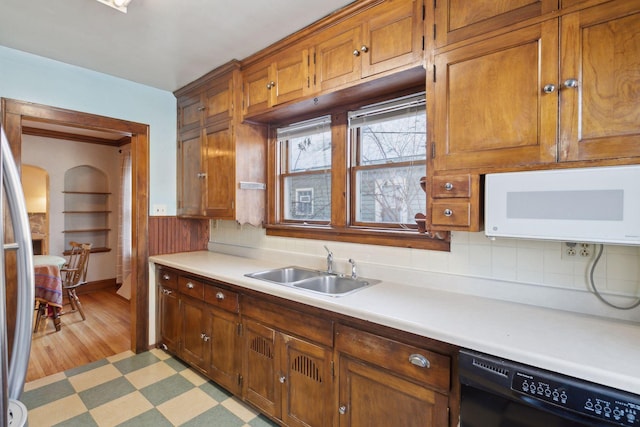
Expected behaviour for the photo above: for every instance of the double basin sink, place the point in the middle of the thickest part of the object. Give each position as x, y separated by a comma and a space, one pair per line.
313, 280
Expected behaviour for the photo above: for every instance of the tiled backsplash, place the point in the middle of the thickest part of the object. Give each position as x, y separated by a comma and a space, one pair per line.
529, 271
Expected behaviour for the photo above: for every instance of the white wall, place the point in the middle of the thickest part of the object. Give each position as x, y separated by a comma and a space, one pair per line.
528, 271
36, 79
39, 151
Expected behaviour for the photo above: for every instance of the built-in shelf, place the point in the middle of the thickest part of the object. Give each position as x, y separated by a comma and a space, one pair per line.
86, 208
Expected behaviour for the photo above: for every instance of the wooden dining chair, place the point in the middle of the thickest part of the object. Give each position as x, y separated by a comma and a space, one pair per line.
74, 274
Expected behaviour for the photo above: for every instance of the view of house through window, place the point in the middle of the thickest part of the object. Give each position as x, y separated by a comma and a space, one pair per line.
370, 159
305, 170
388, 146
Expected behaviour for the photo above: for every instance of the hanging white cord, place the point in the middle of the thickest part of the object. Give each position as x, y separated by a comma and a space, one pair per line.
595, 290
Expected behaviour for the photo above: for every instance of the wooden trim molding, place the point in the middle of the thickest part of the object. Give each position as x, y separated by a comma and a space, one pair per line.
13, 112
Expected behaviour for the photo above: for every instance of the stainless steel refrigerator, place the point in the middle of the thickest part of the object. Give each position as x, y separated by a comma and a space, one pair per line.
15, 234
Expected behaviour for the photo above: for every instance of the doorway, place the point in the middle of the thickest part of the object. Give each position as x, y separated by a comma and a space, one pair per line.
56, 122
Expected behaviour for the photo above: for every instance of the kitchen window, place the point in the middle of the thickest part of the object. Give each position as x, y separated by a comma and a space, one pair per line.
352, 176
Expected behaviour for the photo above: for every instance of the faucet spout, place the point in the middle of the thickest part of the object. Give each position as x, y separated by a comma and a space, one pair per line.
354, 274
329, 260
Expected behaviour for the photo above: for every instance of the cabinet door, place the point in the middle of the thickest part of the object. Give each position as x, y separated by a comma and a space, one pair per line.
190, 111
169, 312
392, 37
257, 89
290, 73
369, 395
456, 20
599, 117
307, 380
490, 106
218, 100
260, 383
220, 171
224, 359
190, 174
338, 59
195, 333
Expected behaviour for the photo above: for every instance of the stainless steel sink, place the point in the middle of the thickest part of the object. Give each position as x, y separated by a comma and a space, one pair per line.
313, 280
334, 285
285, 275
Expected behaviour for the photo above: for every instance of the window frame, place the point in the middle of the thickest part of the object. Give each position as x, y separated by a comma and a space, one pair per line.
339, 228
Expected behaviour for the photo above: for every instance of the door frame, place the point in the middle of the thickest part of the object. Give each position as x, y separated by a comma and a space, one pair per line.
14, 111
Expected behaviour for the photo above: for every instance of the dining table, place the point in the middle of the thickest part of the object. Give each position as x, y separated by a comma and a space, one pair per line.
48, 286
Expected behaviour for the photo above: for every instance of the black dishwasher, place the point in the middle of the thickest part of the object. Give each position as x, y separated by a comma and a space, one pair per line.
501, 393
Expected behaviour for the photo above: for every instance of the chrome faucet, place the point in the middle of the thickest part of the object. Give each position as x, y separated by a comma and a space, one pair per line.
354, 274
329, 260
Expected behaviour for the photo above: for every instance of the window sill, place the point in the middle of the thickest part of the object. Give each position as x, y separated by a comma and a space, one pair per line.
397, 238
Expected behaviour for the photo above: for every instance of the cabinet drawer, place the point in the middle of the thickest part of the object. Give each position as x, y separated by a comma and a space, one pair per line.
451, 186
191, 287
310, 327
400, 358
221, 298
452, 213
167, 278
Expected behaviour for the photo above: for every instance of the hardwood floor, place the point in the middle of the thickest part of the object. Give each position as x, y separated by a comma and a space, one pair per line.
105, 332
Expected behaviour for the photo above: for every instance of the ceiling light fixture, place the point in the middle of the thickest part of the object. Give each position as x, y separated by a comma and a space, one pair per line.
120, 5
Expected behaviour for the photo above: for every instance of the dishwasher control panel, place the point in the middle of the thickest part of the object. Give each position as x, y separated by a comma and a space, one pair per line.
581, 397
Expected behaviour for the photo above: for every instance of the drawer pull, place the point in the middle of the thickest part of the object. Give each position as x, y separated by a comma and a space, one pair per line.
419, 360
282, 379
342, 409
190, 285
166, 277
167, 291
219, 296
448, 186
447, 212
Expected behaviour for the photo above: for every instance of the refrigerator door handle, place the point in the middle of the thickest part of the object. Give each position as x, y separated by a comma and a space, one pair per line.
19, 360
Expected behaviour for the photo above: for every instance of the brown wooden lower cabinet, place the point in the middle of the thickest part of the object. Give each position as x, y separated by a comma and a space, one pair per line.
304, 368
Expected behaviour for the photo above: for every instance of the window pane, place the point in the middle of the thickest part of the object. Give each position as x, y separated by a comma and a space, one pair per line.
310, 152
308, 197
390, 195
394, 140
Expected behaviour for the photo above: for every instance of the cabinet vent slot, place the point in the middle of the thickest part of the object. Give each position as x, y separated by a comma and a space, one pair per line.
491, 367
307, 367
262, 347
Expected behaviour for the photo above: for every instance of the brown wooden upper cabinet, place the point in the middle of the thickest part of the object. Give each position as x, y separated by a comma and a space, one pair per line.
221, 161
383, 38
457, 20
517, 99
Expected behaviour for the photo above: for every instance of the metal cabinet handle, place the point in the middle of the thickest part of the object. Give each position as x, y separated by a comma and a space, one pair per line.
202, 108
271, 85
356, 52
167, 291
190, 285
550, 88
166, 277
364, 49
447, 212
571, 83
219, 296
205, 337
201, 175
448, 186
342, 409
282, 379
419, 360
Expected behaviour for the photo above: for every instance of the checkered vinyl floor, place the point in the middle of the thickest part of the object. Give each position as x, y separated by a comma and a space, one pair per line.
147, 389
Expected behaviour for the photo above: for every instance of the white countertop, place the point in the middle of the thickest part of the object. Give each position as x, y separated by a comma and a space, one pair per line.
596, 349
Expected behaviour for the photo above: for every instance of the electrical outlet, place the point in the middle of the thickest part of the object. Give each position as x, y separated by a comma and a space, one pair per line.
159, 209
573, 250
584, 250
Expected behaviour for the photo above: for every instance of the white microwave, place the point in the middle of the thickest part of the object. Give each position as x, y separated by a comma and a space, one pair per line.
599, 205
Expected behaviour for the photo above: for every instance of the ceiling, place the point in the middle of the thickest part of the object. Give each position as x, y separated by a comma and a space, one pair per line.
160, 43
